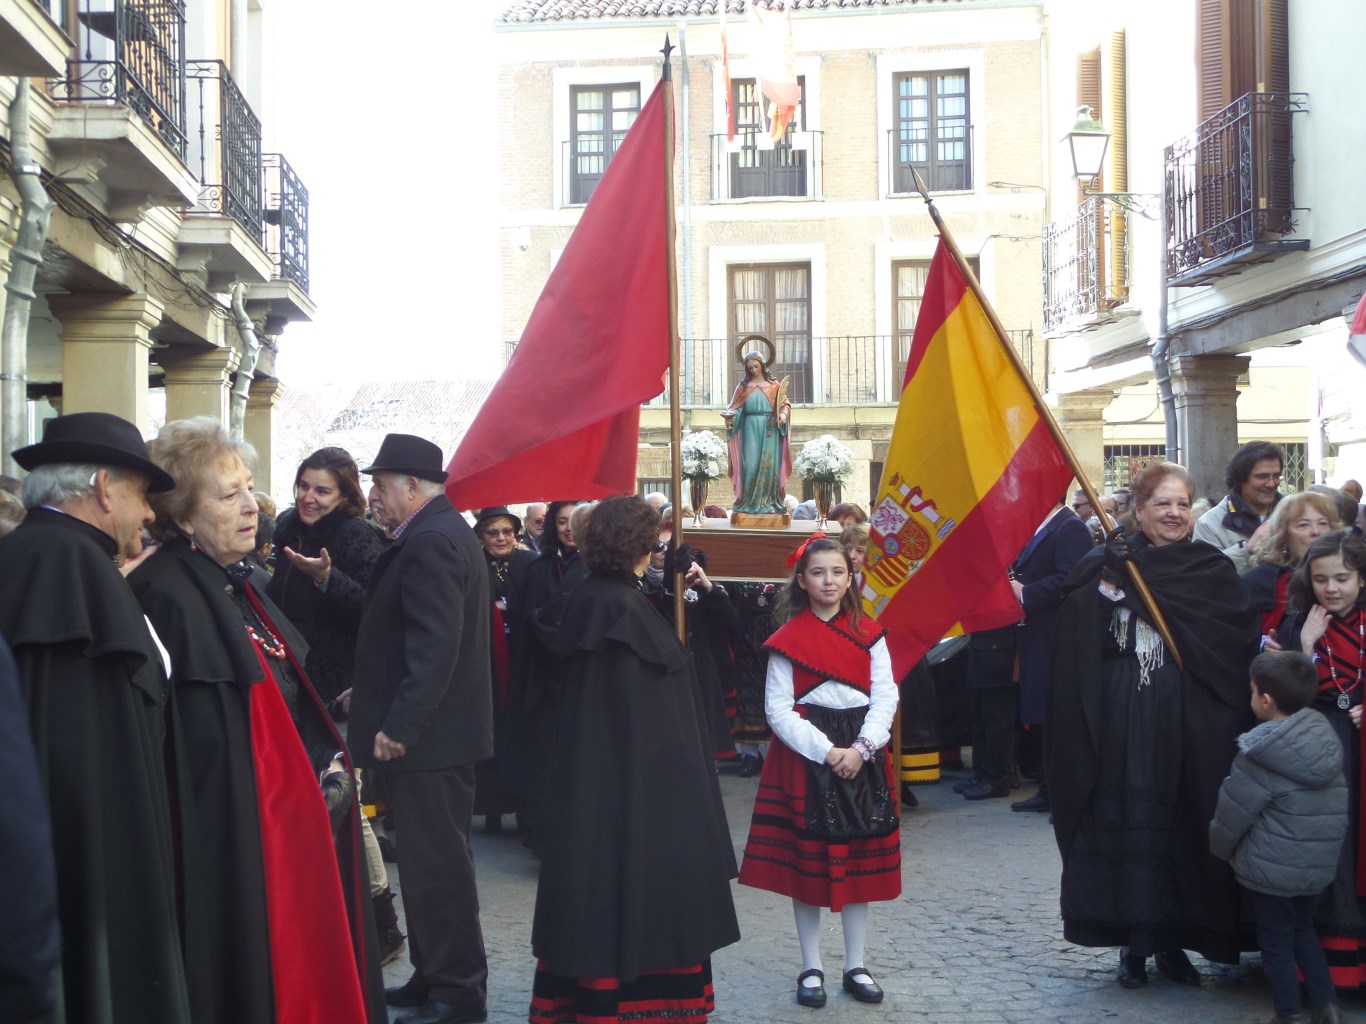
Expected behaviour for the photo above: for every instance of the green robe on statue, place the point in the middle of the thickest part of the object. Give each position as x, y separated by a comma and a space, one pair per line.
760, 458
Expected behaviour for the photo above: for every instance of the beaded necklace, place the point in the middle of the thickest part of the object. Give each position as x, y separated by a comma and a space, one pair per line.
1344, 698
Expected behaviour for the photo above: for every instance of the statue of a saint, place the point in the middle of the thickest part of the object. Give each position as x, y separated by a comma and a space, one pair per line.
756, 429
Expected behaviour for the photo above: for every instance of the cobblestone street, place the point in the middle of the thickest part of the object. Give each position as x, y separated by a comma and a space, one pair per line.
974, 939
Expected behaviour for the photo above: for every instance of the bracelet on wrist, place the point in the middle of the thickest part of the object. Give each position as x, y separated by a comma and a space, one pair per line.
864, 748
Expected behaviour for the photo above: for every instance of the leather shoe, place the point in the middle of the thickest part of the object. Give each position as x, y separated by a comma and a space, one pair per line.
750, 765
1174, 965
411, 993
1133, 969
863, 991
1328, 1013
445, 1013
811, 995
986, 790
966, 784
1037, 802
908, 796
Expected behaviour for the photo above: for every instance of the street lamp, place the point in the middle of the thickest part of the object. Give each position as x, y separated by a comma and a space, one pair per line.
1087, 142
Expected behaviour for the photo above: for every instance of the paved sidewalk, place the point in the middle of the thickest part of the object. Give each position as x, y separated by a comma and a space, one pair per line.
974, 939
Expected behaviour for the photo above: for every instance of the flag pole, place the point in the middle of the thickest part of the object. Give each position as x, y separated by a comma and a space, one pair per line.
1159, 621
675, 412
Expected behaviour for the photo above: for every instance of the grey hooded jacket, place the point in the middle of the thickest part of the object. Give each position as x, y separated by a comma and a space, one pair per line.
1282, 812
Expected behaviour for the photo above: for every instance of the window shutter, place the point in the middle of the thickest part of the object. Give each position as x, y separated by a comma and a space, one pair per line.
1213, 86
1276, 194
1089, 95
1117, 167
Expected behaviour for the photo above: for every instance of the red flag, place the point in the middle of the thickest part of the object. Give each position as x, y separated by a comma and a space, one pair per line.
971, 470
563, 420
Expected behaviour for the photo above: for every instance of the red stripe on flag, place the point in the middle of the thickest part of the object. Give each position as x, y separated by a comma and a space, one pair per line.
971, 561
944, 289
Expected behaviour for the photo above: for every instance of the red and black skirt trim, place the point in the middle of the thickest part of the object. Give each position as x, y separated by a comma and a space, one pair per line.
782, 855
680, 995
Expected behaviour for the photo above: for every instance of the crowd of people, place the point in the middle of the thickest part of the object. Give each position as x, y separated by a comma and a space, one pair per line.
204, 695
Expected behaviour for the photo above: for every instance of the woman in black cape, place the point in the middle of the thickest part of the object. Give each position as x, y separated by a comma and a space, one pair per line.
1139, 747
634, 892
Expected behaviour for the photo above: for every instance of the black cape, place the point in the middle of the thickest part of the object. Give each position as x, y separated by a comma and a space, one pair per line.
1216, 631
97, 698
636, 853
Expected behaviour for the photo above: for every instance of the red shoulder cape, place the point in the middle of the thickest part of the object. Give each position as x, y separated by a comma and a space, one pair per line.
829, 650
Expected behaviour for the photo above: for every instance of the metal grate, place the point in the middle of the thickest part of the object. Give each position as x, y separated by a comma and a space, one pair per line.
226, 135
1123, 462
286, 217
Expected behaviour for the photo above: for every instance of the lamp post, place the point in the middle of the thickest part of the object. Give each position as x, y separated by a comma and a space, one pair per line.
1086, 144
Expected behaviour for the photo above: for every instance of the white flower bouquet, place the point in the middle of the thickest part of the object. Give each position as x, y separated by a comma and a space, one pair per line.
824, 460
703, 455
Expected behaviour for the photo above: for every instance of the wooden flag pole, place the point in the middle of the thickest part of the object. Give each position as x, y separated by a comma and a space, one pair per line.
1159, 621
675, 412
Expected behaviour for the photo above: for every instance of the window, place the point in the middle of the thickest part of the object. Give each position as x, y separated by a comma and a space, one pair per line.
601, 116
1123, 462
774, 300
779, 170
908, 286
930, 131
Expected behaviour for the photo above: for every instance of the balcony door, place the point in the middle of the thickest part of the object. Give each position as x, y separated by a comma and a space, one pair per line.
762, 170
602, 115
774, 299
908, 288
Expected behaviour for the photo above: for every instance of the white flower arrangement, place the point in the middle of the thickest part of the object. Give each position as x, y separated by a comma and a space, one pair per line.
703, 454
824, 460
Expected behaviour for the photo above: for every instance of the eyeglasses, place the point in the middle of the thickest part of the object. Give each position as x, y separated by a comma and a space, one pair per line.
507, 532
661, 546
1081, 504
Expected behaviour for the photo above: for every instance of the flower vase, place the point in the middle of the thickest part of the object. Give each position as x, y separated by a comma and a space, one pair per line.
697, 494
824, 489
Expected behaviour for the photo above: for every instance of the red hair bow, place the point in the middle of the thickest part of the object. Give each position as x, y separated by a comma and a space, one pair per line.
796, 556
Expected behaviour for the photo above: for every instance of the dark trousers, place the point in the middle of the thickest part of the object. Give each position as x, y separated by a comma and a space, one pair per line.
993, 731
436, 870
1285, 931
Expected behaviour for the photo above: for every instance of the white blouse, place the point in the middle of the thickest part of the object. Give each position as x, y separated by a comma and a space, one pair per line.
804, 738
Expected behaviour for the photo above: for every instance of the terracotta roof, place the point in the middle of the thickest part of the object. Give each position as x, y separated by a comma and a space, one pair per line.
525, 11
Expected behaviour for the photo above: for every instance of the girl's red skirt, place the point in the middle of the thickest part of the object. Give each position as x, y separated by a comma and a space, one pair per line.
782, 856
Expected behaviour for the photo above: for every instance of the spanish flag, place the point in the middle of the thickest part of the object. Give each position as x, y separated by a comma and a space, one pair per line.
971, 470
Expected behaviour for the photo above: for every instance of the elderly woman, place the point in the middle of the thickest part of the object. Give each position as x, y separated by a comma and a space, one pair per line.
1138, 745
1278, 548
272, 933
634, 892
756, 429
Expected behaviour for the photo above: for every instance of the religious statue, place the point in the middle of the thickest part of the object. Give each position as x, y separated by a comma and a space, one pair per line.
756, 430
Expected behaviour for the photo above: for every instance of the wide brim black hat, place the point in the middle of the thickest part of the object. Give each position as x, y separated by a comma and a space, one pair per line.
410, 455
94, 439
484, 515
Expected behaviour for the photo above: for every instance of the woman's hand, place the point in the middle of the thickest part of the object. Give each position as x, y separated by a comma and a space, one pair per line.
1315, 625
1355, 715
1270, 642
315, 569
695, 577
844, 761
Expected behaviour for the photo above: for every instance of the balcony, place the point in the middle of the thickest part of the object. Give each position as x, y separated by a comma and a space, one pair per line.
31, 44
286, 221
1230, 192
750, 167
944, 164
1086, 263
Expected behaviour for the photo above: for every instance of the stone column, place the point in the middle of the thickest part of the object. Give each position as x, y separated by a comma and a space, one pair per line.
105, 344
198, 383
259, 428
1081, 415
1206, 393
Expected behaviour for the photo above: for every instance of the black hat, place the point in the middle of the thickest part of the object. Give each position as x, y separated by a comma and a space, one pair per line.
484, 515
94, 438
410, 455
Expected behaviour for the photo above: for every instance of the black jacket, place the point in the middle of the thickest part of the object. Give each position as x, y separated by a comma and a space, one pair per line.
422, 652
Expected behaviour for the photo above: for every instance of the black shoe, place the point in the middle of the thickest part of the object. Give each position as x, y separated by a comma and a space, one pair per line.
750, 765
391, 940
986, 791
1133, 969
863, 991
445, 1013
811, 995
908, 798
967, 784
1175, 966
387, 850
1037, 802
493, 824
411, 993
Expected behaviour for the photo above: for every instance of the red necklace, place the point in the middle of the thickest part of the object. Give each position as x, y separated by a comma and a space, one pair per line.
1345, 701
271, 645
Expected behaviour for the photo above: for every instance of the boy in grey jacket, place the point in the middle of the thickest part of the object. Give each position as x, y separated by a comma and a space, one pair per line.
1280, 822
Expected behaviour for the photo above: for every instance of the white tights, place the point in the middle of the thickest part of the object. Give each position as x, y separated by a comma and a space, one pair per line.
854, 917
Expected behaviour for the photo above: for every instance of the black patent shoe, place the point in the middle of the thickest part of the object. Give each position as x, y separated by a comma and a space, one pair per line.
1133, 969
411, 993
811, 995
1175, 966
750, 765
864, 991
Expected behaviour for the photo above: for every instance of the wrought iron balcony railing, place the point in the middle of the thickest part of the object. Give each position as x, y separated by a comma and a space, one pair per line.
945, 165
286, 220
1086, 264
225, 145
1230, 192
132, 52
747, 169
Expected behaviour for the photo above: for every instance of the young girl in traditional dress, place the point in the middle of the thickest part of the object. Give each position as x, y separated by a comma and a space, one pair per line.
825, 821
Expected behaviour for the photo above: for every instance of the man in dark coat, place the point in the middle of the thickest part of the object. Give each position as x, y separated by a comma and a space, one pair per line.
94, 683
421, 710
1040, 571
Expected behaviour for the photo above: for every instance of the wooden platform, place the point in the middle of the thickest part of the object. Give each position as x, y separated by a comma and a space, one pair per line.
753, 555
